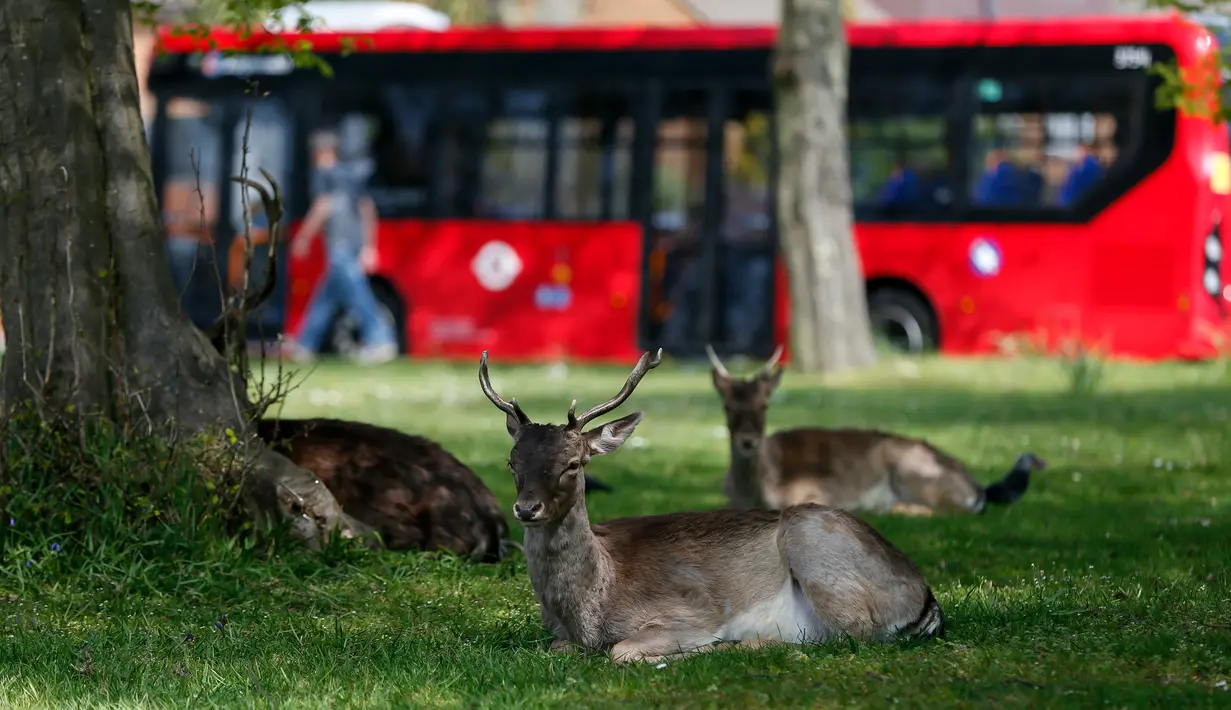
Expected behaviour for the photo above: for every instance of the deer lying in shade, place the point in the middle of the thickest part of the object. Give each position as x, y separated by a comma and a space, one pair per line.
410, 489
648, 587
852, 469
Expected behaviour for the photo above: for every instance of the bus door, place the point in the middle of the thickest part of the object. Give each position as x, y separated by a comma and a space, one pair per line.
709, 272
199, 144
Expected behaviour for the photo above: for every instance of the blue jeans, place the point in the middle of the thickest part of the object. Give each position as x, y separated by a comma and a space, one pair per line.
344, 285
182, 255
749, 291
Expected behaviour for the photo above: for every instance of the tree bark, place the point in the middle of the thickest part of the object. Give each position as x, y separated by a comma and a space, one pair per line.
89, 308
830, 329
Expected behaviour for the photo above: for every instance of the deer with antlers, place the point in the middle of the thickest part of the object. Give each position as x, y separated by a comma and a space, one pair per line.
853, 469
644, 588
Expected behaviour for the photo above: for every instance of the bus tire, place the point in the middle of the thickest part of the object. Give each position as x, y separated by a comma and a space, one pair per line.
903, 318
344, 334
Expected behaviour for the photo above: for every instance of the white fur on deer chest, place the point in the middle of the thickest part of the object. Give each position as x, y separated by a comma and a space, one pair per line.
785, 616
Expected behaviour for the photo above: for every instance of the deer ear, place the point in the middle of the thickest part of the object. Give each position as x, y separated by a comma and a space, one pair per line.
611, 435
513, 424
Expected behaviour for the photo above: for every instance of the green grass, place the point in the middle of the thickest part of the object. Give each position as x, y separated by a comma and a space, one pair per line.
1106, 586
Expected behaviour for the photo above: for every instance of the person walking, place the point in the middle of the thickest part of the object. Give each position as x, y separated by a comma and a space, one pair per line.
341, 206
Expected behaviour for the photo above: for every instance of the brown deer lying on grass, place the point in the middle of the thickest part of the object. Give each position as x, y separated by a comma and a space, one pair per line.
648, 587
417, 495
852, 469
408, 488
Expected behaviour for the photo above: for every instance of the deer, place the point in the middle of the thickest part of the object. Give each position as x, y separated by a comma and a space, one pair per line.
409, 489
860, 470
664, 586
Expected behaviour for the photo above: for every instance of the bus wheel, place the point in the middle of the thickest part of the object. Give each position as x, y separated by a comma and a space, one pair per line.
344, 333
902, 319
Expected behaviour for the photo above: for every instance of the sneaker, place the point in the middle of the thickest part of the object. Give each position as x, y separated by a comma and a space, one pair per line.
293, 351
376, 354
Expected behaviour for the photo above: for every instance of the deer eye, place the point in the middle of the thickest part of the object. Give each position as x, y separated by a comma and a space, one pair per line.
572, 469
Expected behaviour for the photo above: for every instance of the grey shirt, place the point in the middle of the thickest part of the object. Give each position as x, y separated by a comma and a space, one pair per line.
345, 183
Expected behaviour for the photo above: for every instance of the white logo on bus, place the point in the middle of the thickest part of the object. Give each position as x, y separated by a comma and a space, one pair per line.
1131, 57
496, 266
985, 257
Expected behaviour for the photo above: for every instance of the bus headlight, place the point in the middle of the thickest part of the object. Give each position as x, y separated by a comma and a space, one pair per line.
1213, 249
1213, 284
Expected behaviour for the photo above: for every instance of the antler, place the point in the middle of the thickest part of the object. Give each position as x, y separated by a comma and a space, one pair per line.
273, 212
768, 367
644, 365
511, 408
718, 366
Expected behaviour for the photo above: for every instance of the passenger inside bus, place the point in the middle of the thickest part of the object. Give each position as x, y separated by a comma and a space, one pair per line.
1084, 174
902, 188
1030, 176
999, 184
682, 279
748, 257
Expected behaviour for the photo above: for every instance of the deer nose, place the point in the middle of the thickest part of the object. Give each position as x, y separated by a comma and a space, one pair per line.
529, 511
747, 444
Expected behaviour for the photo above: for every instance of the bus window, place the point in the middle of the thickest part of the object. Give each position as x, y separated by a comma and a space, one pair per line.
747, 244
595, 146
1045, 145
464, 132
901, 165
678, 204
398, 125
514, 174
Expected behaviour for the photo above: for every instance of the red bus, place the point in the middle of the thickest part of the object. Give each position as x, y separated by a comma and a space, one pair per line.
591, 193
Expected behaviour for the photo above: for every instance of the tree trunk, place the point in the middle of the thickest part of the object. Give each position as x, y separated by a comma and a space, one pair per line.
558, 12
830, 330
90, 312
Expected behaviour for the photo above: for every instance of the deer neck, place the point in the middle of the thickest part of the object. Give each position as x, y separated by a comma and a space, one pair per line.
570, 571
745, 477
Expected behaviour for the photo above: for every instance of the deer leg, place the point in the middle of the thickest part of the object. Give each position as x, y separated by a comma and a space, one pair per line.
654, 643
856, 582
912, 509
564, 646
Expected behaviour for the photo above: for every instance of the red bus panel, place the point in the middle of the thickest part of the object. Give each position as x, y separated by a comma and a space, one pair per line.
529, 291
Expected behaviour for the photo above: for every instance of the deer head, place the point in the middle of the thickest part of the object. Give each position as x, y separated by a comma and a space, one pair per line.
548, 460
746, 401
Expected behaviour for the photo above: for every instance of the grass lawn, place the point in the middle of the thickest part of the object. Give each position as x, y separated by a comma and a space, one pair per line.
1106, 586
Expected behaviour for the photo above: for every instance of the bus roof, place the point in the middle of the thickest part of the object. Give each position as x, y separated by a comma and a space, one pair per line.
1169, 28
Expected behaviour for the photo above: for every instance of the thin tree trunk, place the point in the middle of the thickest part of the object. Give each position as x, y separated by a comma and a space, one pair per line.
830, 330
558, 12
88, 305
